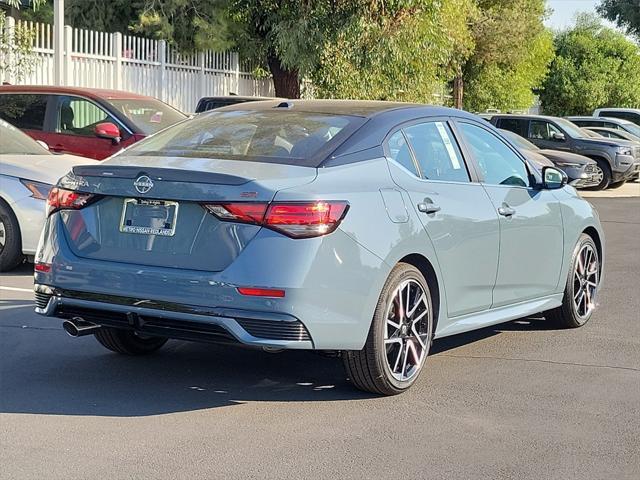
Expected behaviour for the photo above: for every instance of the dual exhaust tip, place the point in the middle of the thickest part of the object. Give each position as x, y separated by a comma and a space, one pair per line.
77, 327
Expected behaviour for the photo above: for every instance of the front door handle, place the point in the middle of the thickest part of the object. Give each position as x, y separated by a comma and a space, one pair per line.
428, 206
57, 148
506, 211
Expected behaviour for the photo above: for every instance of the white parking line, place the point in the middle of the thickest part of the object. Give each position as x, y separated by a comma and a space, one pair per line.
16, 289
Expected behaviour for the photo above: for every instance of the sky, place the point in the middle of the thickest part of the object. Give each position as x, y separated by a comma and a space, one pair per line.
564, 12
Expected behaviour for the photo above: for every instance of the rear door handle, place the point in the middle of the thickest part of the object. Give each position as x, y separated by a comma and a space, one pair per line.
57, 148
506, 211
428, 206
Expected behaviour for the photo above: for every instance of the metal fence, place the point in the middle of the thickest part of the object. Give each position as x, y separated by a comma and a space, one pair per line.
141, 65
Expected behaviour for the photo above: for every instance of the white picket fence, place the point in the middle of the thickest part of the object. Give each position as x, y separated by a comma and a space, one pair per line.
141, 65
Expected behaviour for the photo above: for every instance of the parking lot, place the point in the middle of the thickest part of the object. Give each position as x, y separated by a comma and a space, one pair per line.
519, 400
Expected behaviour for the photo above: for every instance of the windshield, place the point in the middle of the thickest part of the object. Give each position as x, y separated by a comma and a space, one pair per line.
149, 115
13, 141
518, 140
288, 137
633, 128
570, 128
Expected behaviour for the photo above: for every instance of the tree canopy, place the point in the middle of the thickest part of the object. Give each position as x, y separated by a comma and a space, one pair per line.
594, 67
625, 13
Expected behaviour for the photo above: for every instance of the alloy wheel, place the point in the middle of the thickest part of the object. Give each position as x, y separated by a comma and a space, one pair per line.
406, 335
598, 175
3, 235
585, 281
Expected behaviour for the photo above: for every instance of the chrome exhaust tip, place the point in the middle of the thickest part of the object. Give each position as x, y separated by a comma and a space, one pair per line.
77, 327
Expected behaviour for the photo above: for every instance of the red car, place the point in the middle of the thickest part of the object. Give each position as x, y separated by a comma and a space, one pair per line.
89, 122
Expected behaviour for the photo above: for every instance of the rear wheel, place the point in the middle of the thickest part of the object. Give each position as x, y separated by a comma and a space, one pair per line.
399, 338
580, 290
10, 241
128, 342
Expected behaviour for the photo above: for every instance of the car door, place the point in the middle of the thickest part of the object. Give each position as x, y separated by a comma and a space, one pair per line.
531, 231
74, 130
545, 134
426, 161
26, 111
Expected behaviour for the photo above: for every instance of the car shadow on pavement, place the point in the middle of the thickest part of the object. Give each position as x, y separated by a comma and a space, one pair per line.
43, 371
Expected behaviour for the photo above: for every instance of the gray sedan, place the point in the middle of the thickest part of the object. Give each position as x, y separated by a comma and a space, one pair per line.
365, 228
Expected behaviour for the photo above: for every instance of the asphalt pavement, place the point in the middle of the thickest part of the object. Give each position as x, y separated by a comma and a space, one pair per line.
516, 401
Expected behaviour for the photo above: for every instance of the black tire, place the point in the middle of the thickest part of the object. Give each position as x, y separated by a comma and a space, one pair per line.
606, 174
566, 315
368, 369
127, 342
11, 253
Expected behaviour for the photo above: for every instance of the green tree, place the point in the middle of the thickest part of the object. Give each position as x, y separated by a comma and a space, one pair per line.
594, 67
16, 46
626, 14
511, 57
396, 50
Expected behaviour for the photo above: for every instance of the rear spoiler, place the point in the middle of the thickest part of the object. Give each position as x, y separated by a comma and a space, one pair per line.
161, 174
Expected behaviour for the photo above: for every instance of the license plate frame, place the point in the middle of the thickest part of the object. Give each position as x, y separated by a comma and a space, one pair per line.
161, 216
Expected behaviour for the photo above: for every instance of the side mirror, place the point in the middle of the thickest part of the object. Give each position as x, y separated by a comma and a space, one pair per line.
557, 136
108, 130
552, 178
42, 144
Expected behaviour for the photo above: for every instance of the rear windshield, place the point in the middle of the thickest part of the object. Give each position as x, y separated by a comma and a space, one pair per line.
149, 115
289, 137
13, 141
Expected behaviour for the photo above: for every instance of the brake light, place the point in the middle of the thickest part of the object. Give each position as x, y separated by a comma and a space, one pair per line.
42, 267
294, 219
61, 199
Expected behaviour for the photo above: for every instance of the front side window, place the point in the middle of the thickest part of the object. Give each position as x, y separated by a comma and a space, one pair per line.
498, 164
541, 130
24, 111
437, 153
77, 116
400, 152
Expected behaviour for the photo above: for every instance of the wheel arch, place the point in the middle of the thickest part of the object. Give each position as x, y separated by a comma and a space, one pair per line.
593, 233
426, 268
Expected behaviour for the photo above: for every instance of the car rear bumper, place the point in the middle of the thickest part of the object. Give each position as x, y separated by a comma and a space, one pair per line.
173, 320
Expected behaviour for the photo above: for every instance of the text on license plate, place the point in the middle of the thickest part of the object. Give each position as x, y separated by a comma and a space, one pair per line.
149, 217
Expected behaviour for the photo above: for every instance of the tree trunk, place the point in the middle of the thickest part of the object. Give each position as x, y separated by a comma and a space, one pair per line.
286, 82
458, 91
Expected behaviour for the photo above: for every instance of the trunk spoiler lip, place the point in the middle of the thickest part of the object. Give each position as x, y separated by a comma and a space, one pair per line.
159, 173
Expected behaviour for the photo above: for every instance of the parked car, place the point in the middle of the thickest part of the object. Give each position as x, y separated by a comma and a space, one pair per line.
211, 103
362, 227
617, 160
581, 171
614, 123
631, 114
27, 172
88, 122
613, 133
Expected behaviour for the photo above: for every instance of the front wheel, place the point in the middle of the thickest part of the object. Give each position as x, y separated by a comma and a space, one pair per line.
128, 342
602, 175
579, 299
399, 338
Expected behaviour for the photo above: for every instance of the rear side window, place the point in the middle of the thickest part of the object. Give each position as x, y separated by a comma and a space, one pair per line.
288, 137
24, 111
632, 117
515, 125
400, 152
438, 155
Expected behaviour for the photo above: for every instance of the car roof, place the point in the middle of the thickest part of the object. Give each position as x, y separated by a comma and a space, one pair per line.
604, 119
360, 108
622, 109
237, 98
97, 93
525, 116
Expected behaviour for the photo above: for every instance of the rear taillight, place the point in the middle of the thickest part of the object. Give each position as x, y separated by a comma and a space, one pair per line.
61, 199
294, 219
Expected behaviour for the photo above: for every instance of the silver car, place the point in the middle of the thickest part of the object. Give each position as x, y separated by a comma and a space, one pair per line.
27, 173
366, 228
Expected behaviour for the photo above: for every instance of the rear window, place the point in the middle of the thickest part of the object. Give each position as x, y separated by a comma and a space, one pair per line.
289, 137
24, 111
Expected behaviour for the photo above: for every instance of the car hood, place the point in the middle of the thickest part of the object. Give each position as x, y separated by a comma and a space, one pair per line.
40, 168
560, 156
536, 157
606, 142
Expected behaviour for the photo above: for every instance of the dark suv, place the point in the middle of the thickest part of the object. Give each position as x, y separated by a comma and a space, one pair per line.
211, 103
618, 160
